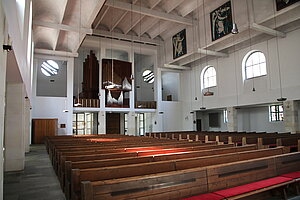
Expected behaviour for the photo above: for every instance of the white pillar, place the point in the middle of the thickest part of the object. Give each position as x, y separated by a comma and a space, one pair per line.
131, 123
14, 127
3, 58
290, 109
102, 122
70, 80
27, 125
232, 119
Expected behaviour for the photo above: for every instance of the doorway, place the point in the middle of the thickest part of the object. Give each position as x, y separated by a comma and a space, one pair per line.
199, 125
113, 123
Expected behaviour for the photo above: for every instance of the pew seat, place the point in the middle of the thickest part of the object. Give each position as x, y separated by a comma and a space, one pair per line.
250, 189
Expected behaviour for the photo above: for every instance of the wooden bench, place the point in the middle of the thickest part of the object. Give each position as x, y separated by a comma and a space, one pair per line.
184, 183
123, 161
107, 173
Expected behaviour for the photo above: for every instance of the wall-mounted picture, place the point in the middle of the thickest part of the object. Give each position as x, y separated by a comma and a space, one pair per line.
221, 21
179, 44
280, 4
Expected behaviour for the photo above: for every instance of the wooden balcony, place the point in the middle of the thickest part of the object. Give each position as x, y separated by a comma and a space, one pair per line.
86, 103
145, 104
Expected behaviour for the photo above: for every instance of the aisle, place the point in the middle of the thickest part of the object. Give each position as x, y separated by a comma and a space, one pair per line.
37, 182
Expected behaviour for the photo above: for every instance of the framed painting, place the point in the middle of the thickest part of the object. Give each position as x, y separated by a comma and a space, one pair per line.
280, 4
221, 21
179, 44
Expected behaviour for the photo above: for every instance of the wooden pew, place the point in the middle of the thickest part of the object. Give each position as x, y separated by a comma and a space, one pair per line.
184, 183
123, 161
107, 173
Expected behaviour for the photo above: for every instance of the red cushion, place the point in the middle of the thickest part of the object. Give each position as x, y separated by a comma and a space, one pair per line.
251, 186
293, 175
208, 196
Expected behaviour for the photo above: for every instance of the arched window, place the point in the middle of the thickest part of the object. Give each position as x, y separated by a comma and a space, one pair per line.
209, 77
49, 68
254, 64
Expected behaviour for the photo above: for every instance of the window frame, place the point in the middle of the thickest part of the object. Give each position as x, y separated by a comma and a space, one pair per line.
204, 71
277, 113
244, 64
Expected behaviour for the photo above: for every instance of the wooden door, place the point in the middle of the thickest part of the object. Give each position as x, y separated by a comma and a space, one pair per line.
113, 123
42, 128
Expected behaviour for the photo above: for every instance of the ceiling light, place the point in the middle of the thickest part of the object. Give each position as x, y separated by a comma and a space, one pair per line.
235, 29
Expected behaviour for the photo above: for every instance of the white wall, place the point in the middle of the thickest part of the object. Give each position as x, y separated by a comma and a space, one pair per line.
21, 40
232, 90
257, 119
3, 58
52, 107
145, 92
170, 85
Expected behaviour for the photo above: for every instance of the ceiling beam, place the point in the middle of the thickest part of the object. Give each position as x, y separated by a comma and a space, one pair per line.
142, 17
62, 27
101, 17
60, 21
55, 53
176, 67
212, 53
126, 37
121, 18
267, 30
149, 12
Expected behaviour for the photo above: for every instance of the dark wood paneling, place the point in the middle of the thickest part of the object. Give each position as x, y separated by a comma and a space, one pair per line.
42, 128
113, 123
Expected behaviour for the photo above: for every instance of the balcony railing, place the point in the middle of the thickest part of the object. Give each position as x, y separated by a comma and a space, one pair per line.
145, 104
87, 103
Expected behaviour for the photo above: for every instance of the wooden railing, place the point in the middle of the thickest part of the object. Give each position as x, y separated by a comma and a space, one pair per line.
145, 104
87, 103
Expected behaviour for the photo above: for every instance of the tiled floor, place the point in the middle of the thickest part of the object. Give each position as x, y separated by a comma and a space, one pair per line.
37, 182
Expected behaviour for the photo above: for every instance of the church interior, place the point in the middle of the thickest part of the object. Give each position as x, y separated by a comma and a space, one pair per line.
156, 99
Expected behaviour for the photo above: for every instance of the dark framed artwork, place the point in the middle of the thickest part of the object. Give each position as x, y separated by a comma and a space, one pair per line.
280, 4
179, 44
221, 21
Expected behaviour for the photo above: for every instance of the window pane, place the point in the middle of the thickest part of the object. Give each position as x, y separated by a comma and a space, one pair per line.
80, 125
256, 71
273, 108
255, 58
80, 132
80, 117
281, 116
249, 73
263, 69
255, 65
280, 108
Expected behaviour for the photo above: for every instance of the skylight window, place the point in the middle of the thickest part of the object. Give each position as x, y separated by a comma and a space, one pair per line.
49, 68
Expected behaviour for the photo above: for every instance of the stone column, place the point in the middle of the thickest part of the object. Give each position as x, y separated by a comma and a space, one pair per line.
232, 119
131, 123
290, 109
14, 127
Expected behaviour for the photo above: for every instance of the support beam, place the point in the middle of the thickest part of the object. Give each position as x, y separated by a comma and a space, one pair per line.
55, 53
126, 37
176, 67
149, 12
267, 30
212, 53
101, 17
62, 27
